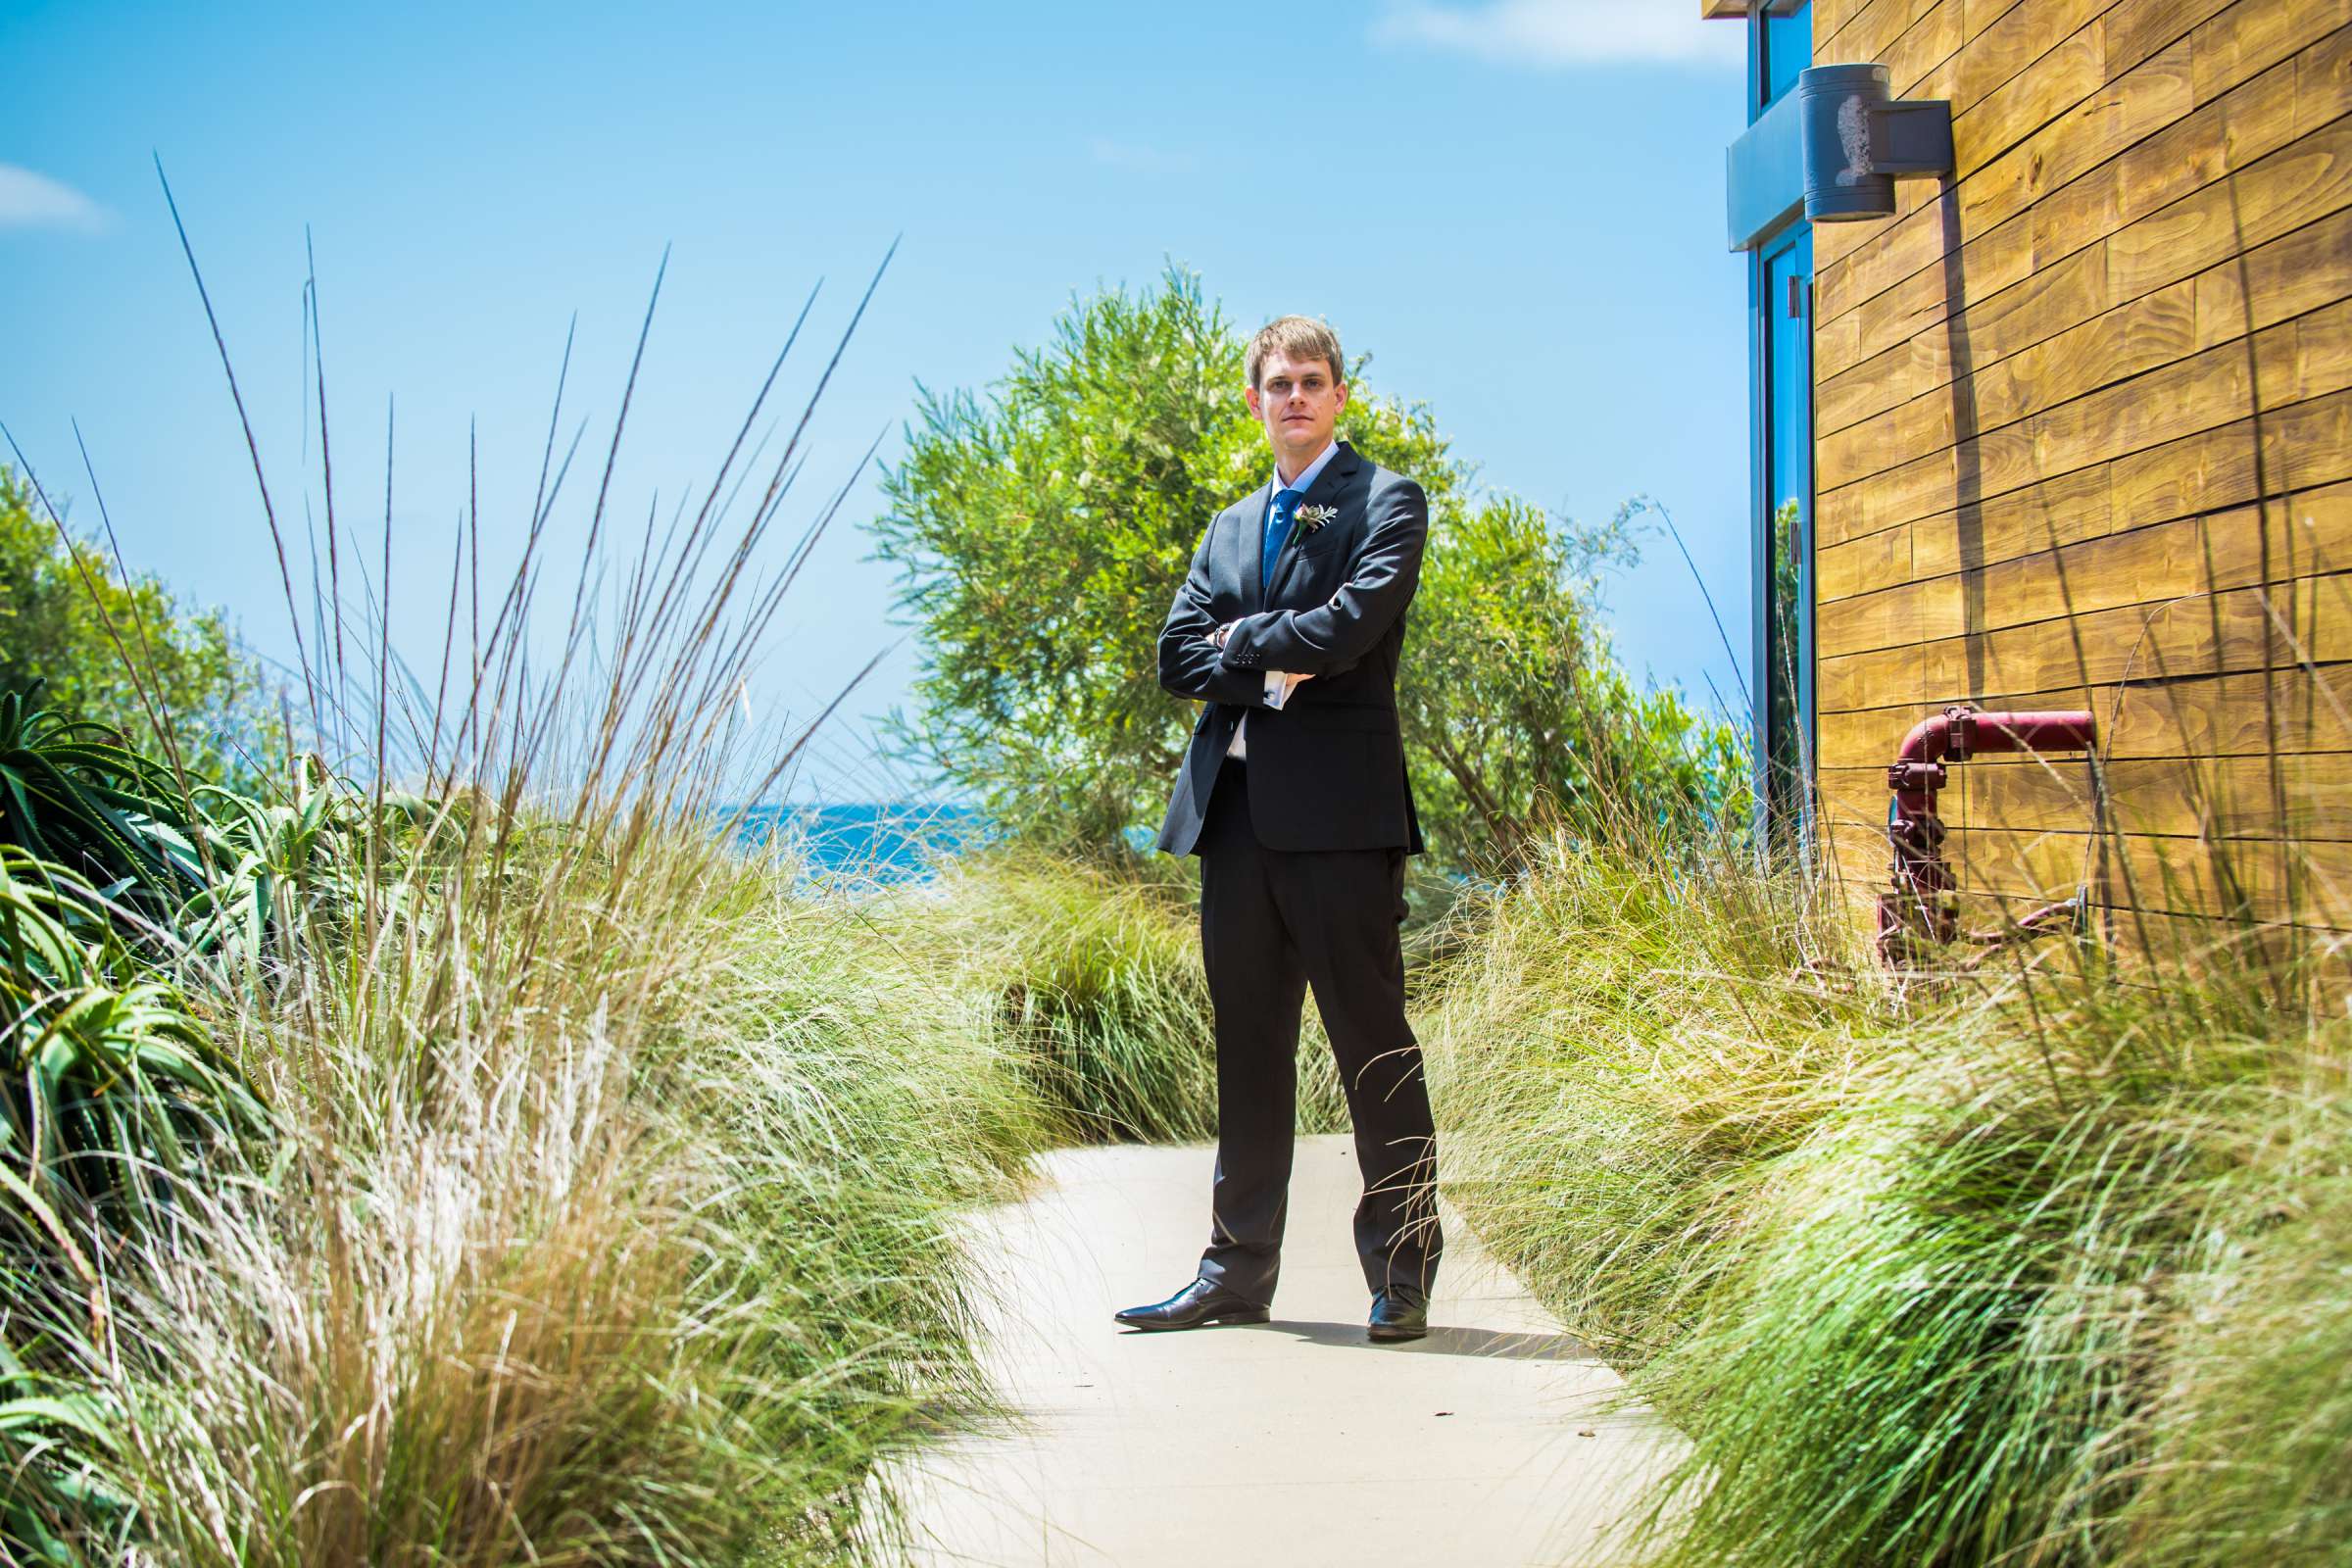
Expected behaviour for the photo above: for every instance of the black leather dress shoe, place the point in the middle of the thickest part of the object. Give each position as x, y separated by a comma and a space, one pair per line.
1398, 1312
1201, 1302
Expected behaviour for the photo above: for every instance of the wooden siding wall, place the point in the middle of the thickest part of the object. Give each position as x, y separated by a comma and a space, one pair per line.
2083, 439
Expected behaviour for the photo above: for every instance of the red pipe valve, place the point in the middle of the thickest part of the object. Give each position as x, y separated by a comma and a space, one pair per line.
1917, 776
1920, 911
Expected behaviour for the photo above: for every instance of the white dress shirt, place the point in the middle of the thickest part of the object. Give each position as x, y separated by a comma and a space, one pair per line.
1278, 682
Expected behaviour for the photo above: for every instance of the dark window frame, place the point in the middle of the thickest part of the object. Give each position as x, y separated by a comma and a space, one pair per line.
1786, 813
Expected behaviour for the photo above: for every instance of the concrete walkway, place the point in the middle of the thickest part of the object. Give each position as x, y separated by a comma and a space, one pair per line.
1297, 1441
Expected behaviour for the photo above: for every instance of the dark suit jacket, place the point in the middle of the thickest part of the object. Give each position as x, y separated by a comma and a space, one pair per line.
1327, 768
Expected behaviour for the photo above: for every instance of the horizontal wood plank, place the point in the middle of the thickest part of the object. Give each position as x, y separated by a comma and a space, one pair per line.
2308, 881
2082, 424
2304, 797
1977, 15
1876, 560
2288, 277
2306, 621
2014, 81
2322, 82
2295, 448
2162, 946
2152, 331
2055, 511
1829, 17
2302, 446
2165, 891
2014, 73
2254, 35
2088, 135
2286, 363
2278, 184
2139, 29
2304, 535
1867, 30
2292, 217
2251, 713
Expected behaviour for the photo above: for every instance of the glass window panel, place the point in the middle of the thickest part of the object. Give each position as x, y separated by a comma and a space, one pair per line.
1787, 43
1787, 452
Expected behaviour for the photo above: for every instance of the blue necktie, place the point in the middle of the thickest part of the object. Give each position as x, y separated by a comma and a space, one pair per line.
1278, 529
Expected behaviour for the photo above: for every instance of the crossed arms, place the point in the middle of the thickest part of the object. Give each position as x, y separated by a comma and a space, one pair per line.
1188, 663
1322, 641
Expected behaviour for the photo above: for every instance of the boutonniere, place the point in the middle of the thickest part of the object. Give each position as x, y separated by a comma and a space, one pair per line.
1312, 517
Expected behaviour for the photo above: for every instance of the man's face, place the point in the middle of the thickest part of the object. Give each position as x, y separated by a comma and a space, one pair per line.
1298, 402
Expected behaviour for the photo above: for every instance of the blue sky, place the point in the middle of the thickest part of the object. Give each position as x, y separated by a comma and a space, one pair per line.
1515, 207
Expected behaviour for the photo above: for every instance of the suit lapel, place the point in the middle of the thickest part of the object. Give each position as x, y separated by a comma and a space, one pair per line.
1247, 544
1326, 484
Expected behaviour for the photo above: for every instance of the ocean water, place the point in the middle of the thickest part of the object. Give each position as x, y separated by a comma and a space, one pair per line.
887, 842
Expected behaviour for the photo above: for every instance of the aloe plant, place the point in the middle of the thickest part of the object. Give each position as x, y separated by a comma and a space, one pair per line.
270, 866
109, 1085
74, 795
58, 1442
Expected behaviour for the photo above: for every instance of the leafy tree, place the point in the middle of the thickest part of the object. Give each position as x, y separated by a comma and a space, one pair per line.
1516, 709
1040, 533
119, 650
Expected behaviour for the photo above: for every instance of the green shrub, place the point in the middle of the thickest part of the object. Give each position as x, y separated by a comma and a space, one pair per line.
119, 650
1945, 1345
1043, 530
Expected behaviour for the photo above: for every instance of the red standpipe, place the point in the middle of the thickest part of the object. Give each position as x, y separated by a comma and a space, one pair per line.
1919, 911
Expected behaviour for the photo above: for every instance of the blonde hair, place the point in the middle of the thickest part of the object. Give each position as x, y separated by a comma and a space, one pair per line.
1298, 337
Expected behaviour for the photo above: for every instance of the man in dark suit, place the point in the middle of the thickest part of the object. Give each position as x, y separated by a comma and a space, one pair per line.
1293, 794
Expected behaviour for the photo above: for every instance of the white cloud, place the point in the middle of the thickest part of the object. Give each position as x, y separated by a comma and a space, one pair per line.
1139, 160
1567, 33
36, 201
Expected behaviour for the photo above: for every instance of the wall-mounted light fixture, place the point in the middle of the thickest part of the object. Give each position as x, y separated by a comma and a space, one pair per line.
1832, 148
1857, 140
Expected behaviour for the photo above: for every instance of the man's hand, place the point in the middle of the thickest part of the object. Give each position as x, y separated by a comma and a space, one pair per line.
1187, 671
1280, 684
1191, 660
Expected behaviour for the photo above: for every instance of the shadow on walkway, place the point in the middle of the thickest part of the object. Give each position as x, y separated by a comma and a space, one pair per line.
1442, 1339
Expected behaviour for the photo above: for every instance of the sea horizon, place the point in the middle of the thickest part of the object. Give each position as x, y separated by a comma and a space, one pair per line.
889, 840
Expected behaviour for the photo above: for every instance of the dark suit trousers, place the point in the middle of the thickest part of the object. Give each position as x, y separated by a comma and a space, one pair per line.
1272, 924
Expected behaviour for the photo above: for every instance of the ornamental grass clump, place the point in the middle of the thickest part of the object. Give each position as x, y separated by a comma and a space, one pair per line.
576, 1189
2035, 1262
625, 1250
1085, 974
1945, 1342
2250, 1421
1613, 1035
